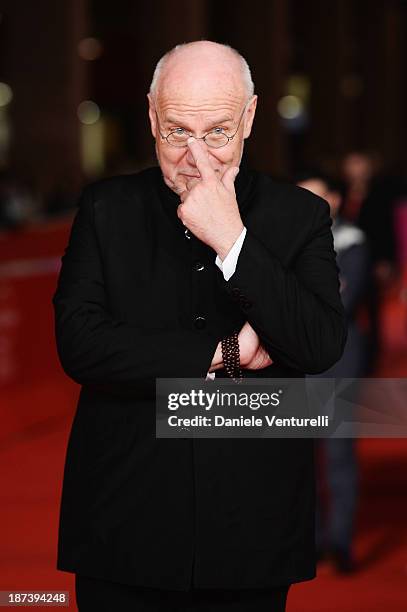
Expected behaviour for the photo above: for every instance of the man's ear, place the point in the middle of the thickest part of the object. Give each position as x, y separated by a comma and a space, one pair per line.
249, 117
152, 115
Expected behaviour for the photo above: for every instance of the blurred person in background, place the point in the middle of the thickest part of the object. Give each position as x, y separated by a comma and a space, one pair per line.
163, 268
368, 201
339, 471
17, 203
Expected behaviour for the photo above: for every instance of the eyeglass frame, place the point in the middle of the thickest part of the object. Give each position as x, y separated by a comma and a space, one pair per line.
205, 135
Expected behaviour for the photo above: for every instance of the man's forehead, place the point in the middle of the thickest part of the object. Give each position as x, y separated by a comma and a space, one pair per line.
202, 107
199, 98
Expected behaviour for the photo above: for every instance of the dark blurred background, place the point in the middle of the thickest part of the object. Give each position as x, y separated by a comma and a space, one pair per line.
332, 87
330, 77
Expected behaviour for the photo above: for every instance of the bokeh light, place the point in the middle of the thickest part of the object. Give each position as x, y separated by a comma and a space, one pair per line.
88, 112
6, 94
90, 49
290, 107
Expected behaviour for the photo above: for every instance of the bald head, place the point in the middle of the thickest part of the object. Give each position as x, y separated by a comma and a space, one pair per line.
202, 64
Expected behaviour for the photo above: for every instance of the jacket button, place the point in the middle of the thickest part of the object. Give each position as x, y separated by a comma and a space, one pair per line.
236, 293
246, 304
198, 266
199, 322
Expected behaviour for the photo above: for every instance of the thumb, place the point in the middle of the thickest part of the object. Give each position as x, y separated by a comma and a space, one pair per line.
228, 178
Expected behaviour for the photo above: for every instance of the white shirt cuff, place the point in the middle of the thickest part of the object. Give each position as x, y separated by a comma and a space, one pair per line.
210, 376
228, 265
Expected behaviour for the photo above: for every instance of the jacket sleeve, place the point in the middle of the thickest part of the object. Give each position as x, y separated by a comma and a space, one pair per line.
96, 349
296, 311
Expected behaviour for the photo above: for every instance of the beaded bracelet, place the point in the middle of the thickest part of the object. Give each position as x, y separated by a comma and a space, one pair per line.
231, 356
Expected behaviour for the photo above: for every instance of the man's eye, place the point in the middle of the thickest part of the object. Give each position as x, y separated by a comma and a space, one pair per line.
218, 130
178, 131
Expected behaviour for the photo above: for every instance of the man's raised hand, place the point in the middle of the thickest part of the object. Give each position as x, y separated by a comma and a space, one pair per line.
208, 206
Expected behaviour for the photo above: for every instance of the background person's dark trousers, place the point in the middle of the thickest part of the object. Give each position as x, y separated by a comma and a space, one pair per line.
104, 596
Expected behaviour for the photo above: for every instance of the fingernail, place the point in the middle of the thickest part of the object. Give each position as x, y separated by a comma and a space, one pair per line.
190, 139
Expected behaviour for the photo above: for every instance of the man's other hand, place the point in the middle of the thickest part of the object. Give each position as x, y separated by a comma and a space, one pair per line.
253, 356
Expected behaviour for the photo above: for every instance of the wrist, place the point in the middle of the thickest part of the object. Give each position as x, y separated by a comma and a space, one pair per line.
217, 361
228, 240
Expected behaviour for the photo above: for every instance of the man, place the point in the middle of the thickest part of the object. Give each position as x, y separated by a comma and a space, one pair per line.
334, 531
368, 203
160, 267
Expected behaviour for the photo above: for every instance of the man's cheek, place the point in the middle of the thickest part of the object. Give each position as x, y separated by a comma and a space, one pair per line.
175, 181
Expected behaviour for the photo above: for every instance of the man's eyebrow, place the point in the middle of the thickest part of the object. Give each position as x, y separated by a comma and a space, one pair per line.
177, 121
170, 119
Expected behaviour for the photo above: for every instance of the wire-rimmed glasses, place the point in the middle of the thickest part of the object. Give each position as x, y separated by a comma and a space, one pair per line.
215, 139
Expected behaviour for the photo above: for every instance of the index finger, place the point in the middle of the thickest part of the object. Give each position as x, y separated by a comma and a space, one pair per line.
201, 159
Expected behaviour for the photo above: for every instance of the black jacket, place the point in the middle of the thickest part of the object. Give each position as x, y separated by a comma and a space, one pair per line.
132, 305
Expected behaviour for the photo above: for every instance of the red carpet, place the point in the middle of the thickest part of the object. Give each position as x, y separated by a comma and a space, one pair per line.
35, 423
31, 469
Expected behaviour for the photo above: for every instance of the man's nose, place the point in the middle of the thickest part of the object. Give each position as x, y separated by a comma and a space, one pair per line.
190, 158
